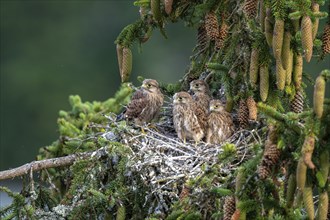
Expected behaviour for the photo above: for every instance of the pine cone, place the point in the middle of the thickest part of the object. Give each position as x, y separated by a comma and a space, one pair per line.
286, 49
264, 82
229, 207
254, 66
326, 39
268, 28
212, 26
318, 98
278, 38
308, 202
168, 6
126, 64
297, 70
243, 114
307, 37
297, 104
185, 192
262, 14
263, 172
250, 8
252, 106
202, 38
323, 207
271, 155
289, 69
280, 75
301, 174
315, 8
223, 32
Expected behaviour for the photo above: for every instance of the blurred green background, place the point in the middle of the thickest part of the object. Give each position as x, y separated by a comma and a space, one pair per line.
52, 49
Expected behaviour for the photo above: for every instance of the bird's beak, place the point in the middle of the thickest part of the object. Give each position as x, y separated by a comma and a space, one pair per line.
144, 86
190, 92
211, 108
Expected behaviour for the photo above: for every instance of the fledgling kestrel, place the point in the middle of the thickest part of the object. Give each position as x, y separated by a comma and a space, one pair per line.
220, 123
201, 93
201, 97
185, 121
145, 103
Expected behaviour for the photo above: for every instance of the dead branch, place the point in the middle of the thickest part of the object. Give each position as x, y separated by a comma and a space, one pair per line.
48, 163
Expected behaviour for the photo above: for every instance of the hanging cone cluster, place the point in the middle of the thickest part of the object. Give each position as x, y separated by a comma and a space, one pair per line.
168, 6
229, 207
326, 39
252, 106
307, 37
250, 8
254, 66
297, 104
243, 114
223, 32
202, 38
185, 192
212, 26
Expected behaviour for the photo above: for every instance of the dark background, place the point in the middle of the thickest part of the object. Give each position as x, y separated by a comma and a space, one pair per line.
52, 49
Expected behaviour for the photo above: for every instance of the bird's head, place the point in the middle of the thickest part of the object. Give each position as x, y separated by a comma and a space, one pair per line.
150, 85
216, 106
199, 86
182, 98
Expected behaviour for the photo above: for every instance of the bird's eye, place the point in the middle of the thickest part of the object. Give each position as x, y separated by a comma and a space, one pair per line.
197, 85
180, 98
148, 85
216, 106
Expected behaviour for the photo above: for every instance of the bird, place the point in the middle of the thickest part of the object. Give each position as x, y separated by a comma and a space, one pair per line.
220, 123
200, 94
145, 103
185, 120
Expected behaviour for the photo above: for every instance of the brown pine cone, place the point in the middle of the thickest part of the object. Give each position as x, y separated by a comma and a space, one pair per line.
297, 104
326, 39
263, 172
243, 114
212, 26
223, 32
250, 8
252, 106
229, 207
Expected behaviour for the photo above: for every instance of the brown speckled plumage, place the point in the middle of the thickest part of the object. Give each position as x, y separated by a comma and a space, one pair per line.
220, 123
185, 120
145, 103
201, 97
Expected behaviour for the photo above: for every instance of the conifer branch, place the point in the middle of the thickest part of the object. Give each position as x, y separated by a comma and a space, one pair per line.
48, 163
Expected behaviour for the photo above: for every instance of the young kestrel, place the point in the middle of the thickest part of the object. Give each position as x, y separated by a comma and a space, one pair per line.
201, 97
201, 93
145, 103
185, 121
220, 123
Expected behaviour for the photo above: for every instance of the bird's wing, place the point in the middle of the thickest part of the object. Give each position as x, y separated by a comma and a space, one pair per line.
201, 116
137, 104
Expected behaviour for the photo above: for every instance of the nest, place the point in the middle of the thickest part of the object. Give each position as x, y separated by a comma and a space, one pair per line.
165, 164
